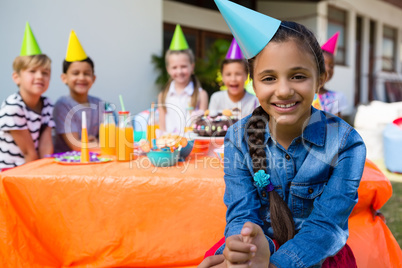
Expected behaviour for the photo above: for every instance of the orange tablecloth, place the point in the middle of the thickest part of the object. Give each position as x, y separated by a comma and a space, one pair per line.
135, 215
372, 242
115, 214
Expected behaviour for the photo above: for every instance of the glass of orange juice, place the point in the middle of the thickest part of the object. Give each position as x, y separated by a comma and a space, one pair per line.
125, 138
152, 126
107, 134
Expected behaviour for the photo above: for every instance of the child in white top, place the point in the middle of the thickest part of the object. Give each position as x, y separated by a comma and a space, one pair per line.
182, 93
234, 74
333, 102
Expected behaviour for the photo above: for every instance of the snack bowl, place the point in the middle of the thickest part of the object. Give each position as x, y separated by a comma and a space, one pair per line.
184, 152
163, 158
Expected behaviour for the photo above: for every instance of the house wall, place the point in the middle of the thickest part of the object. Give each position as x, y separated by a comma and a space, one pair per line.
120, 36
314, 16
191, 16
382, 13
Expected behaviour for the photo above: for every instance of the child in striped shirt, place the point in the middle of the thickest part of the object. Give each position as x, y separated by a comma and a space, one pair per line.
26, 116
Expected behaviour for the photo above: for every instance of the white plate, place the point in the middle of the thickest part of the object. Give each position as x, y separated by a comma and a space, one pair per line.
194, 136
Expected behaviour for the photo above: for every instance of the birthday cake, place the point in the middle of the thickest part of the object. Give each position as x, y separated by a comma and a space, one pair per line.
216, 125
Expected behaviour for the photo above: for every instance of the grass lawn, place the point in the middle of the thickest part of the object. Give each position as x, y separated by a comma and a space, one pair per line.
392, 210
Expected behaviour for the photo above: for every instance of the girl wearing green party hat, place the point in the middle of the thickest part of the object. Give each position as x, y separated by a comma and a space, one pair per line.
26, 116
183, 92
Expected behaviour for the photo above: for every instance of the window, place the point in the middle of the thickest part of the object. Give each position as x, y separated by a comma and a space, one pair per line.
198, 40
210, 4
337, 23
400, 54
388, 49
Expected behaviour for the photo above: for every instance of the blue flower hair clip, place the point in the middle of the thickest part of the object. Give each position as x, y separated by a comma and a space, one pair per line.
262, 180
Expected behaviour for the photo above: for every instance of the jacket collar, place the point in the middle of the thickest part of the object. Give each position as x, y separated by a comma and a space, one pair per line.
314, 132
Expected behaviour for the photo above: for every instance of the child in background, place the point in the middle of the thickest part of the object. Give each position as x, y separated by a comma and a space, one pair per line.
234, 71
79, 75
331, 101
183, 92
26, 116
291, 171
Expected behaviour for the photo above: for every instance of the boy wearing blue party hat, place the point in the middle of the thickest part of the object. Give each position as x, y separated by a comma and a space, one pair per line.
234, 70
26, 116
289, 198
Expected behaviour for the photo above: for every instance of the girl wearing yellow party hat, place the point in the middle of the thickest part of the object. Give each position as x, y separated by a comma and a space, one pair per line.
183, 92
79, 76
26, 116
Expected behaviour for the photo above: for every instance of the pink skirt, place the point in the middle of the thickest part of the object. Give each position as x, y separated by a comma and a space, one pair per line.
343, 259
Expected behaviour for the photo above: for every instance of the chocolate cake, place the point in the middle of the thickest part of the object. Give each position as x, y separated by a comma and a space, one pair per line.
214, 126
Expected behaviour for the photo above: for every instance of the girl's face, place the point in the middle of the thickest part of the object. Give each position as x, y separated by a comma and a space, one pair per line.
285, 81
33, 80
329, 64
180, 68
234, 76
79, 77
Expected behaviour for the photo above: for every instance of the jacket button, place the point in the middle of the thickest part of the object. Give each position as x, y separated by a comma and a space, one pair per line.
287, 156
264, 194
310, 190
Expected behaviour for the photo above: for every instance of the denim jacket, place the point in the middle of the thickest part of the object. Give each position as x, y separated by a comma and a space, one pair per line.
317, 176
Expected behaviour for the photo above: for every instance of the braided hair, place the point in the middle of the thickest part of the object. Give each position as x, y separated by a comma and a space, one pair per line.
281, 217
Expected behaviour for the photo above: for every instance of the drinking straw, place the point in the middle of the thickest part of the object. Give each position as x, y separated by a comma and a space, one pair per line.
152, 115
121, 103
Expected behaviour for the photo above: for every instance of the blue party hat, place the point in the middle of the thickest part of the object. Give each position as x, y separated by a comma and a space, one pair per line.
251, 29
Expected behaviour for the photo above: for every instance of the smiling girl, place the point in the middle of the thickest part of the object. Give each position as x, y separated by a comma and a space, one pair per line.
291, 171
183, 92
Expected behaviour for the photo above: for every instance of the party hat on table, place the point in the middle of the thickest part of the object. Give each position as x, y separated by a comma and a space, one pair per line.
29, 45
330, 45
178, 40
234, 52
84, 139
75, 52
251, 29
